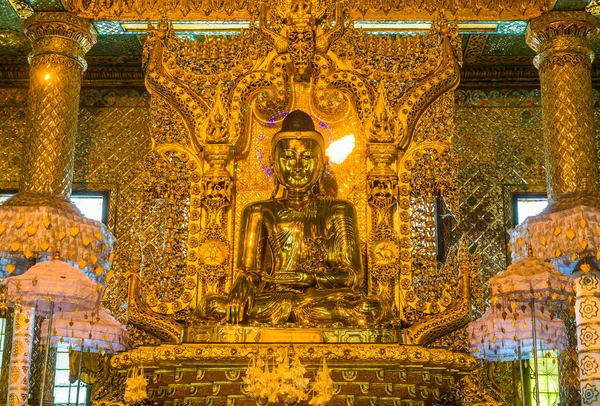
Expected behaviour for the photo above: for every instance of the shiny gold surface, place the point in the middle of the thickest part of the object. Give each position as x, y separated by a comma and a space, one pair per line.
239, 334
59, 43
562, 42
369, 9
299, 257
217, 183
284, 87
362, 372
498, 139
372, 353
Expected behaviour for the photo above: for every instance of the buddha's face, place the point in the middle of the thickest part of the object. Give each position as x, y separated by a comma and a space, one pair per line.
298, 164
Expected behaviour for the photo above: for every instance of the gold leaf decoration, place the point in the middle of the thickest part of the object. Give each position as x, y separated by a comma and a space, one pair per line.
44, 246
28, 253
557, 253
543, 240
98, 235
31, 230
81, 263
15, 246
47, 223
10, 268
2, 229
557, 230
74, 231
19, 222
62, 235
585, 268
98, 271
86, 241
570, 234
519, 241
583, 244
582, 223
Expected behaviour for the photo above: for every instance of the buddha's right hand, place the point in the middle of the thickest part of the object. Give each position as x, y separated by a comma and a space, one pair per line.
240, 299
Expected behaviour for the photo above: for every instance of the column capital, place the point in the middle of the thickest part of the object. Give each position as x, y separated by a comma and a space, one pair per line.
60, 33
563, 32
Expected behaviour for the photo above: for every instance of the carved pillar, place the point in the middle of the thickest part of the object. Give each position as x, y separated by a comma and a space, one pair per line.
562, 42
564, 60
213, 251
382, 195
20, 356
59, 43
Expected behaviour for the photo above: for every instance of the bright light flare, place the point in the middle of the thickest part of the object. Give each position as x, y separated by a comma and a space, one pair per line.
339, 150
47, 76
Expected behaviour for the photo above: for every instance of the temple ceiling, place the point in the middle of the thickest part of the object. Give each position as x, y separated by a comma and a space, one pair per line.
492, 31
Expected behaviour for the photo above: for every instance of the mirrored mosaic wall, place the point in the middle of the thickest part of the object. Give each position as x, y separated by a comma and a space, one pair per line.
498, 140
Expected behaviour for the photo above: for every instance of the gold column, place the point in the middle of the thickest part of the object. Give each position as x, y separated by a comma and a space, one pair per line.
20, 356
564, 60
59, 42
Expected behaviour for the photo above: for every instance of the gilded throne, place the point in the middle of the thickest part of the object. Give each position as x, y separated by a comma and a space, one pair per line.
261, 233
392, 120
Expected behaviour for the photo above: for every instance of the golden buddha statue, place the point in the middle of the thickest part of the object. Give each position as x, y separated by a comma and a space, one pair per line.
299, 255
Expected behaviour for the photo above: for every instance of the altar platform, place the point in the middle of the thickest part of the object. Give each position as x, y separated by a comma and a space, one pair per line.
201, 374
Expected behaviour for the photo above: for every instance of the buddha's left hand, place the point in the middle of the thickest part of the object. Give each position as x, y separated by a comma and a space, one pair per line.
293, 278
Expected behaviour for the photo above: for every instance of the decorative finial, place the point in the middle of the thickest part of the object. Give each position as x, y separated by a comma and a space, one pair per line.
584, 184
56, 256
529, 250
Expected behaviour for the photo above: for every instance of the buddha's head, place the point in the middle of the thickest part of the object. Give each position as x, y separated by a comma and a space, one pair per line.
298, 153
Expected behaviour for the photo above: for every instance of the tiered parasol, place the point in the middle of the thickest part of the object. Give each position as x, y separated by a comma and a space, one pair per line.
95, 331
46, 287
568, 229
522, 321
37, 225
91, 331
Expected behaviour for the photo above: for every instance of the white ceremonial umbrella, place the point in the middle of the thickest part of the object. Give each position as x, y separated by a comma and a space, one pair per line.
49, 285
54, 284
521, 321
528, 278
37, 224
495, 338
93, 331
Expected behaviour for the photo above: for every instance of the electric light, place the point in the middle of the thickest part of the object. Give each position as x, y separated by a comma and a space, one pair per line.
339, 150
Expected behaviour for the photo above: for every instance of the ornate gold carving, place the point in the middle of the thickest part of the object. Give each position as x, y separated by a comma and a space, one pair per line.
239, 334
170, 354
378, 10
61, 34
59, 43
382, 191
141, 316
428, 329
562, 41
22, 8
474, 48
340, 64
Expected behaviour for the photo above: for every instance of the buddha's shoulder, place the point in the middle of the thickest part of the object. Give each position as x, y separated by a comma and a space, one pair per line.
263, 205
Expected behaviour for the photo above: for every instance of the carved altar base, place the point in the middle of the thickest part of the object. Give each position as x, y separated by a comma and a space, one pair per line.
364, 374
238, 334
